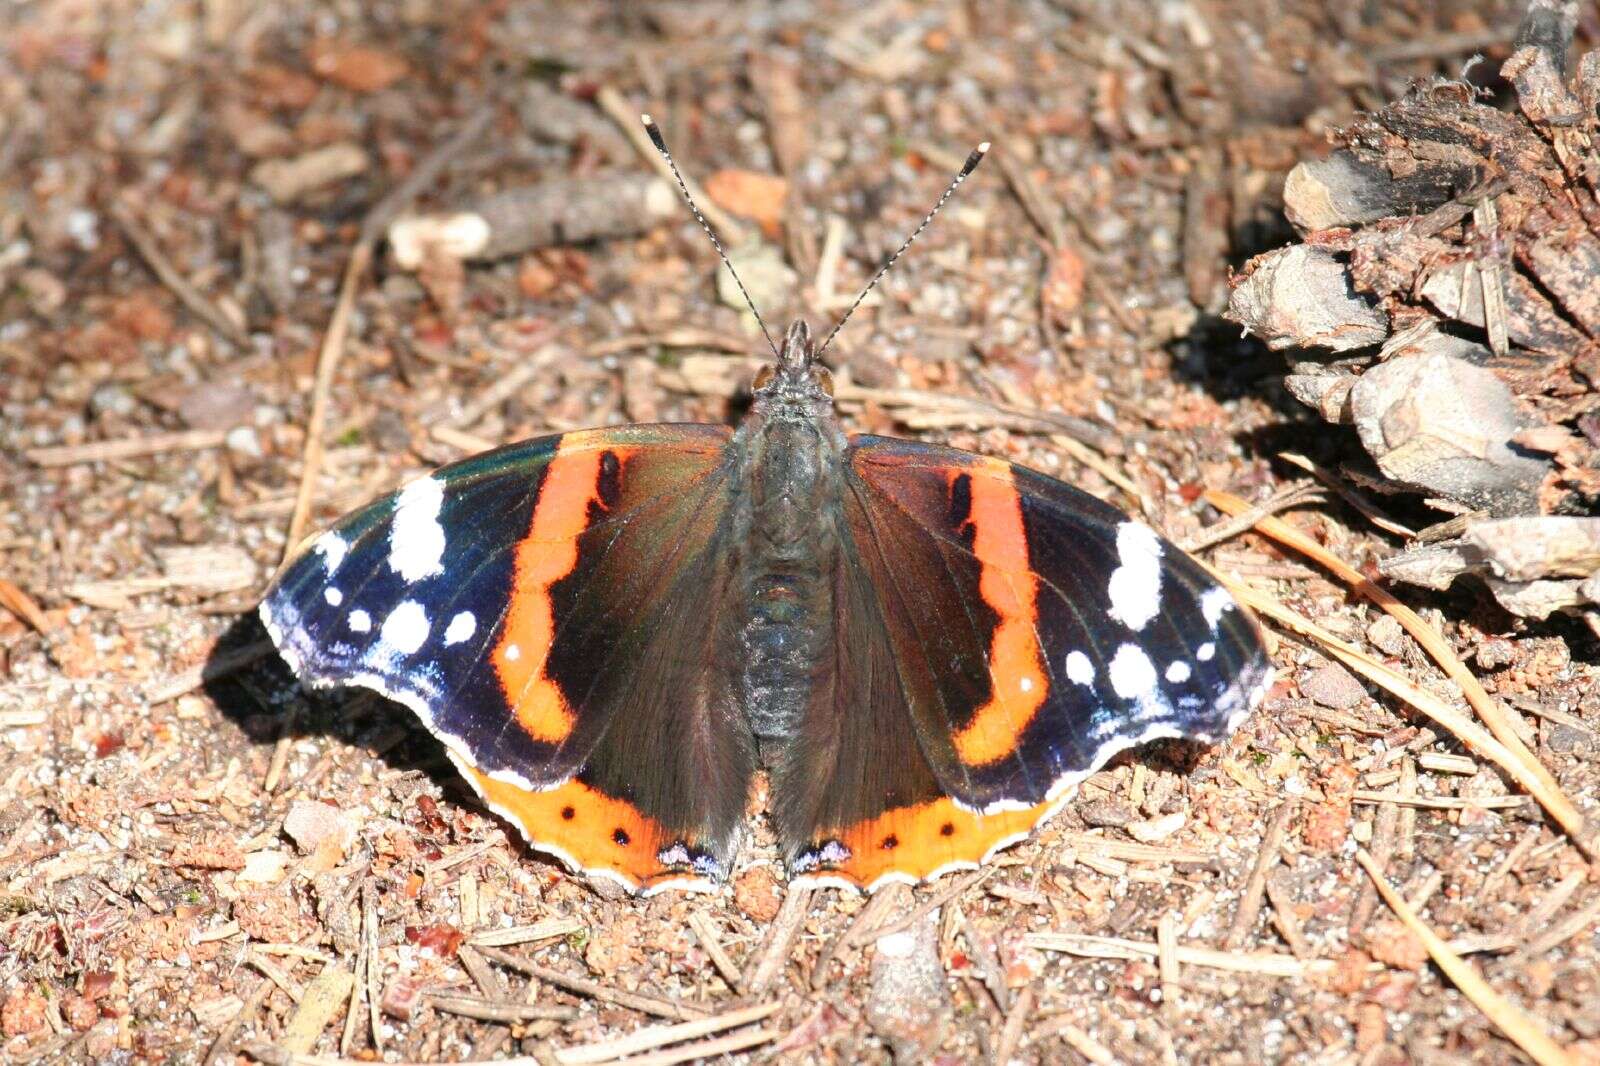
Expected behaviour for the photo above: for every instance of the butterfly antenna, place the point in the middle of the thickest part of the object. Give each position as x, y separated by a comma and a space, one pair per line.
966, 168
661, 146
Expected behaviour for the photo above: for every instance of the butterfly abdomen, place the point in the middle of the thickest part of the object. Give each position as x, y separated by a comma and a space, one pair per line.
787, 530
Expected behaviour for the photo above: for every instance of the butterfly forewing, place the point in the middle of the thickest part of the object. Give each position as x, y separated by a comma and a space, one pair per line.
543, 609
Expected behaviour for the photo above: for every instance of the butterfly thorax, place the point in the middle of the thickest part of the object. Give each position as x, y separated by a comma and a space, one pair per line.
786, 527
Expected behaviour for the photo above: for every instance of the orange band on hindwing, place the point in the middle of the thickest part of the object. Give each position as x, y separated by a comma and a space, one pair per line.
589, 829
546, 555
921, 840
1018, 681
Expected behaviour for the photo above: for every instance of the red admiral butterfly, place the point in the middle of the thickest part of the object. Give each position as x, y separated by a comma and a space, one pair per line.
613, 631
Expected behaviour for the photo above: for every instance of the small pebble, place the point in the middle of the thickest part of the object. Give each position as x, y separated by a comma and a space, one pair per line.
244, 440
1106, 813
309, 824
264, 867
1386, 635
768, 278
1157, 829
1495, 652
1332, 686
216, 405
909, 1003
756, 893
112, 398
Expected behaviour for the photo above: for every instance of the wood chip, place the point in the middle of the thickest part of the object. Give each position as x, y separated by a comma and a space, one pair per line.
326, 995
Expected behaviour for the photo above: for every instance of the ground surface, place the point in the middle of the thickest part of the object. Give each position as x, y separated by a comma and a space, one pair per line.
172, 891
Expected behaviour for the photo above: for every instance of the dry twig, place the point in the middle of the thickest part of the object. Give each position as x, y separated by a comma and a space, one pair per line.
626, 116
662, 1035
1521, 1029
582, 986
1011, 1032
1350, 495
706, 932
1492, 714
187, 440
1110, 947
333, 341
775, 952
492, 1010
1292, 496
549, 929
224, 1041
1255, 886
149, 249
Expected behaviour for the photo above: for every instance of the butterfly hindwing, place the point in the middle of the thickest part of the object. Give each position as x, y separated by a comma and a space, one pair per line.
1031, 633
543, 608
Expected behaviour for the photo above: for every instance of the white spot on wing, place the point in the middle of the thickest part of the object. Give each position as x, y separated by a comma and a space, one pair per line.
513, 653
1135, 587
1213, 603
1178, 672
416, 539
360, 621
333, 596
1079, 668
461, 627
1026, 684
406, 628
333, 548
1205, 652
1132, 673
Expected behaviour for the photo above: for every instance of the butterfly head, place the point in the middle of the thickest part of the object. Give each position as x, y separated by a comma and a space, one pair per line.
797, 379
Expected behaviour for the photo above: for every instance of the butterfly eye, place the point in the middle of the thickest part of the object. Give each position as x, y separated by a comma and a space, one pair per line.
825, 379
763, 378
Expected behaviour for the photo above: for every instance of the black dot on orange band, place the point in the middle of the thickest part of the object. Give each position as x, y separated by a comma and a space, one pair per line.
948, 829
568, 814
620, 835
891, 842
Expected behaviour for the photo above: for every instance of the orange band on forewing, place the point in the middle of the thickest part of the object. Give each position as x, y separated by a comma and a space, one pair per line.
585, 826
545, 556
918, 841
1007, 585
